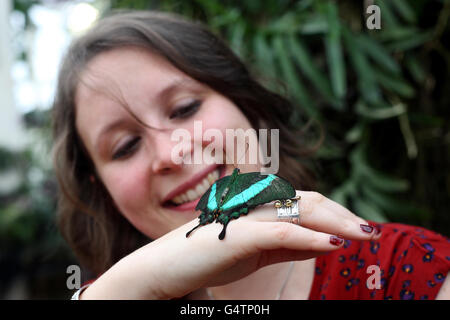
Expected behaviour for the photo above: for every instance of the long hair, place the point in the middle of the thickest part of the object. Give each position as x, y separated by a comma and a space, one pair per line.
87, 216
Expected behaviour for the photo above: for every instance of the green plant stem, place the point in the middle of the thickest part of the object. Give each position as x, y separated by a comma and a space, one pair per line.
410, 141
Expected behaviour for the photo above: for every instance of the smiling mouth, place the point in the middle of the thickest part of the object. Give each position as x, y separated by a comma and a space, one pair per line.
196, 191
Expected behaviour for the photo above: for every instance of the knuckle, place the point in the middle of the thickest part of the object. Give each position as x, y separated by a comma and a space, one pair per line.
282, 231
317, 197
315, 243
348, 227
313, 200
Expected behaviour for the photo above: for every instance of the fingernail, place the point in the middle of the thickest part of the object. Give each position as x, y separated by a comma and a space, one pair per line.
336, 241
377, 230
366, 228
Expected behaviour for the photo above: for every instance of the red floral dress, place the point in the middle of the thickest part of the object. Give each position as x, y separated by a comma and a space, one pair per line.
409, 262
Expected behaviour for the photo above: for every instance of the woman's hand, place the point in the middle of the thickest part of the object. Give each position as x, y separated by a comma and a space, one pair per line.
173, 265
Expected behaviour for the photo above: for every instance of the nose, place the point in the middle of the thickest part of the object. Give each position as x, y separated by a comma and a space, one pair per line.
162, 147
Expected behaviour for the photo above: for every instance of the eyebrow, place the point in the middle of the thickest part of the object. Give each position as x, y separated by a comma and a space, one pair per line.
165, 93
109, 128
162, 96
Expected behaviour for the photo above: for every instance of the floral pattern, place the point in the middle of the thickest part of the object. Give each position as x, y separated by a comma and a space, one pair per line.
410, 263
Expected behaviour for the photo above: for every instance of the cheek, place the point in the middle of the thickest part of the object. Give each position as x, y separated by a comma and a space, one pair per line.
131, 188
128, 186
222, 114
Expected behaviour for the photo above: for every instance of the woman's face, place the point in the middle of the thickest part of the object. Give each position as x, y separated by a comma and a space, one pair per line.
134, 161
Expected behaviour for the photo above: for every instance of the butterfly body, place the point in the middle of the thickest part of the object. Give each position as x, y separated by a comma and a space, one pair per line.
235, 195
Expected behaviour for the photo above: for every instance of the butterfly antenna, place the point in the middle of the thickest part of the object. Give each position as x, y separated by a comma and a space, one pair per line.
232, 162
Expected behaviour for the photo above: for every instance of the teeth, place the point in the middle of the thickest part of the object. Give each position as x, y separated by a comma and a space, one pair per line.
191, 194
205, 184
198, 190
213, 176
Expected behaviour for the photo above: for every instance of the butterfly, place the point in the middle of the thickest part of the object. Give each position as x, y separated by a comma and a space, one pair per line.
234, 195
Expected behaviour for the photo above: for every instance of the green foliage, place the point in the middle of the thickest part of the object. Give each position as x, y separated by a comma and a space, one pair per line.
31, 248
364, 86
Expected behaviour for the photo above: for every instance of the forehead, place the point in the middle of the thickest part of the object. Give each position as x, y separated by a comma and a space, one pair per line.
122, 68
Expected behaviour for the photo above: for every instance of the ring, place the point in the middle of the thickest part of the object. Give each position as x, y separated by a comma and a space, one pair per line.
287, 210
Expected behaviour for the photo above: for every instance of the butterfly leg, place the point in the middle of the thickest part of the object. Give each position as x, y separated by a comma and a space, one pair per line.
225, 219
204, 218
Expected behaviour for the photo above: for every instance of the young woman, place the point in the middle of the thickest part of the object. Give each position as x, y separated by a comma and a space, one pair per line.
125, 205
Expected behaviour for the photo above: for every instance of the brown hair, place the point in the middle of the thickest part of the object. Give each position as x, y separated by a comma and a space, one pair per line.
87, 216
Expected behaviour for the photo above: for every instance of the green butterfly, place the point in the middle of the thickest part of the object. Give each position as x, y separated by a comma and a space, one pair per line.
232, 196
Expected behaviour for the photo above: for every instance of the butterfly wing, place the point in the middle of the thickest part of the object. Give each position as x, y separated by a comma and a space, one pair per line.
252, 189
279, 189
210, 199
209, 202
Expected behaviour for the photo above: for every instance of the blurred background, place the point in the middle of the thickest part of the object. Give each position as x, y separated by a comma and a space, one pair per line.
382, 95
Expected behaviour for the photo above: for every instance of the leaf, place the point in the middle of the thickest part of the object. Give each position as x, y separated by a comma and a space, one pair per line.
228, 18
368, 211
288, 23
379, 113
329, 151
394, 84
364, 173
390, 204
214, 7
264, 55
387, 16
341, 193
339, 196
367, 84
307, 66
397, 34
408, 136
237, 38
313, 25
355, 133
304, 4
405, 11
334, 53
383, 181
292, 79
410, 43
415, 68
378, 53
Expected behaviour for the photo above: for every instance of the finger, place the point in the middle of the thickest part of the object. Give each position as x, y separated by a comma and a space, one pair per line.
277, 235
284, 255
320, 213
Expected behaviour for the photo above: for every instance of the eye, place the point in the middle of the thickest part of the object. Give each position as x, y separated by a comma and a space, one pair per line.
127, 149
186, 111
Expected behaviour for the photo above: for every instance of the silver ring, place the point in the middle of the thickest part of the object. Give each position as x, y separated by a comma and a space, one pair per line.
287, 210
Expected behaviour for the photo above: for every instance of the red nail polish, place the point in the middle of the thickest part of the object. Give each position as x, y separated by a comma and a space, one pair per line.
336, 241
366, 228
